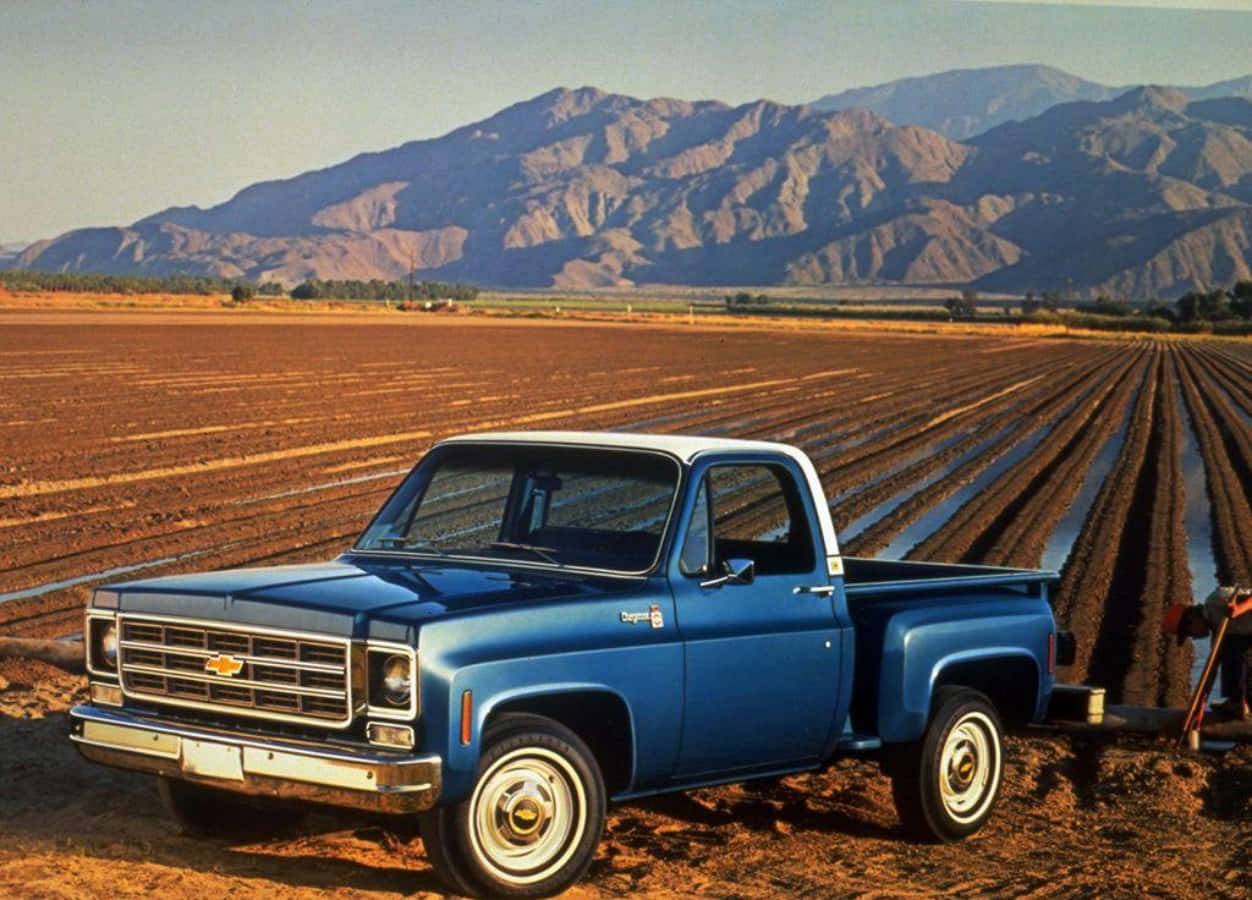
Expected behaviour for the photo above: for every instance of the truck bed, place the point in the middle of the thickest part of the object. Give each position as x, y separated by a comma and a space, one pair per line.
939, 611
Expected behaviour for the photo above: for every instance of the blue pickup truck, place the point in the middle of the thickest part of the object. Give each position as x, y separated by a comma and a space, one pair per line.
538, 624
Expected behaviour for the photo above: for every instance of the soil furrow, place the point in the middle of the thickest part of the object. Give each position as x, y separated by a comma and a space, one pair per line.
1085, 602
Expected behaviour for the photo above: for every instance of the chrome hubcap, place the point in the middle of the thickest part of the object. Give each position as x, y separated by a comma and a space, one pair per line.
528, 815
969, 767
523, 810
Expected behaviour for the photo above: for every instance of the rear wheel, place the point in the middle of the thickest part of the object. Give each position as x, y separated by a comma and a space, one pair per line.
531, 825
946, 786
208, 812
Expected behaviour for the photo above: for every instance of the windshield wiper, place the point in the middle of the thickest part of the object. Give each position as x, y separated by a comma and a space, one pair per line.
544, 553
415, 542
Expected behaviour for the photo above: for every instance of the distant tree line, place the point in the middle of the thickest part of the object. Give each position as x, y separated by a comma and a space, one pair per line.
84, 282
1220, 310
743, 298
240, 290
1048, 301
964, 306
376, 289
1217, 305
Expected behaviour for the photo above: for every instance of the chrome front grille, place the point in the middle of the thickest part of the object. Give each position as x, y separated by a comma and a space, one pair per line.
248, 672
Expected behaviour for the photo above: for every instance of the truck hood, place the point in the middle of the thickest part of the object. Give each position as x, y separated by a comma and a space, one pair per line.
357, 597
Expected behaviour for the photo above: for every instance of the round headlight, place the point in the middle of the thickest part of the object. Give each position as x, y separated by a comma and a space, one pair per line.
108, 645
397, 680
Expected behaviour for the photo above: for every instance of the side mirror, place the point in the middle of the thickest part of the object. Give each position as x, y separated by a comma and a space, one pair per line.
734, 571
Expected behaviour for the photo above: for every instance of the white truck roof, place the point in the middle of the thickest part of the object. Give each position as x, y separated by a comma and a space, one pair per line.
686, 448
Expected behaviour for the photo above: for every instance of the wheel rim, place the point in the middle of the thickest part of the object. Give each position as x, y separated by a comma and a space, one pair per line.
969, 767
528, 815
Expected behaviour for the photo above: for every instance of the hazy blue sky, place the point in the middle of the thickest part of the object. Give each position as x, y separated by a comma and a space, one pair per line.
114, 109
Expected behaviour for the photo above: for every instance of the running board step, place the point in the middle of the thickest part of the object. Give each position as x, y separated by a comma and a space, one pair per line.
858, 743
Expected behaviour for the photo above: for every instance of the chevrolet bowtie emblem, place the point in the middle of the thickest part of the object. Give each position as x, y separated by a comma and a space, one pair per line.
226, 666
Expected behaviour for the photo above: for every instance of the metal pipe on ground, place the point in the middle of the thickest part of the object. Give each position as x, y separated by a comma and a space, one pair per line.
67, 655
1081, 708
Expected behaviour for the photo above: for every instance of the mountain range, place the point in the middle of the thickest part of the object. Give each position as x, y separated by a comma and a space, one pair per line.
965, 102
10, 252
1138, 193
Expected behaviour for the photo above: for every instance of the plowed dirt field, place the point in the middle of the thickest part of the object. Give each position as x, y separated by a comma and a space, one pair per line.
149, 442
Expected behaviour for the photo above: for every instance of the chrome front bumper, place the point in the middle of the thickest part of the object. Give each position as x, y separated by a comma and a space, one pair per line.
362, 779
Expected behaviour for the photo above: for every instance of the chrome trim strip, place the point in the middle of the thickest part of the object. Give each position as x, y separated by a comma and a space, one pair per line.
365, 779
275, 661
107, 745
325, 693
116, 736
245, 711
223, 625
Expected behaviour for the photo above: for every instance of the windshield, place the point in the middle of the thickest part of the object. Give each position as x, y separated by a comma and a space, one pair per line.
583, 507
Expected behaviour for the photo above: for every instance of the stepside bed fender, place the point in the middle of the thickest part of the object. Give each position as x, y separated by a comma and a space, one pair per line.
1002, 655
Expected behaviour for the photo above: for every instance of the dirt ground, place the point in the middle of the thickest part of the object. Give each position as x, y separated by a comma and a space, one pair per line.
1079, 818
142, 442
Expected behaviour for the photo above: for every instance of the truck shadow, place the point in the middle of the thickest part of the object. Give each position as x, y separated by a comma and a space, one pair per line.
1080, 769
1228, 795
769, 806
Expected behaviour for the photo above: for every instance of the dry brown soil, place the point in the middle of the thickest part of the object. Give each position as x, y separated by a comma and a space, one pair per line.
155, 442
1078, 819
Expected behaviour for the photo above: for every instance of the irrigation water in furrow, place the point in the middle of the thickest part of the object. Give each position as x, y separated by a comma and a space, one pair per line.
1040, 491
1223, 443
1158, 672
1061, 541
957, 539
970, 482
1085, 602
945, 486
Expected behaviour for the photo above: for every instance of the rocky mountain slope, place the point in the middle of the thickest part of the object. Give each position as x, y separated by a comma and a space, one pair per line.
1146, 194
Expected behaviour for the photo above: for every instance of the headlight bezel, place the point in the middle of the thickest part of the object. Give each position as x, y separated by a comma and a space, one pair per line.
97, 627
380, 703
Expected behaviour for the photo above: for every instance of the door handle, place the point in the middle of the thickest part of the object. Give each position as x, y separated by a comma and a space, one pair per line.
822, 589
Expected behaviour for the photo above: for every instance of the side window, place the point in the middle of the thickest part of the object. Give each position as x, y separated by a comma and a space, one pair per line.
758, 515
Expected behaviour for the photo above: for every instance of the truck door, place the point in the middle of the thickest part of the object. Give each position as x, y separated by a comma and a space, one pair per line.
762, 660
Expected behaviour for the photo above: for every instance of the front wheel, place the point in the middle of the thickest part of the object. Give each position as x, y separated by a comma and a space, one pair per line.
945, 786
533, 820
